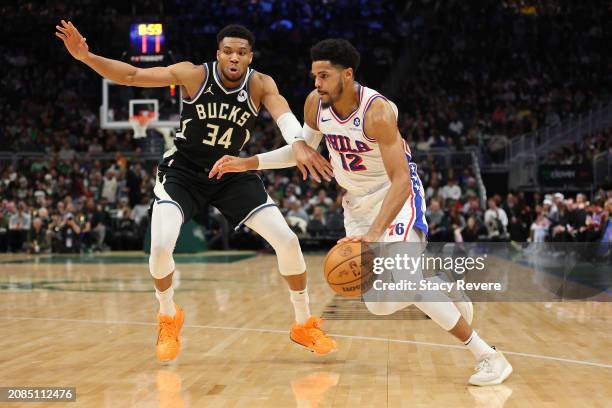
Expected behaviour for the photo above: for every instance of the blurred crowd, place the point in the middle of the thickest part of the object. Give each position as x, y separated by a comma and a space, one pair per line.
474, 74
518, 218
73, 204
583, 152
481, 72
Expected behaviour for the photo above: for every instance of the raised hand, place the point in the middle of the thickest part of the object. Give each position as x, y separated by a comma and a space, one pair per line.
75, 43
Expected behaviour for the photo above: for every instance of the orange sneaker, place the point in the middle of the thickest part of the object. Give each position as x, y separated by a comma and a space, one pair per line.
312, 337
168, 343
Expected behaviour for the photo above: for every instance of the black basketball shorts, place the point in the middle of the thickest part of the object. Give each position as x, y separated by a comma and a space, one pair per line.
236, 195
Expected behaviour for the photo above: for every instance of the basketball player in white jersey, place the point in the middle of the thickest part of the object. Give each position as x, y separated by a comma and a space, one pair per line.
384, 200
224, 97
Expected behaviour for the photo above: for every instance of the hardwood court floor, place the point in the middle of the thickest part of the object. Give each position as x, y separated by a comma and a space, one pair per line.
89, 323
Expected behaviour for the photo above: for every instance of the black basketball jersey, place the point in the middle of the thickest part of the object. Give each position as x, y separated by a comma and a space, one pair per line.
217, 121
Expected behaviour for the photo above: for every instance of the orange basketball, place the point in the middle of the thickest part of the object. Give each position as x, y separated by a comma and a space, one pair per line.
342, 269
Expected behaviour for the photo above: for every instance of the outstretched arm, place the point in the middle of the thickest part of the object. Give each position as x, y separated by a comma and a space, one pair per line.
284, 156
276, 159
306, 157
183, 73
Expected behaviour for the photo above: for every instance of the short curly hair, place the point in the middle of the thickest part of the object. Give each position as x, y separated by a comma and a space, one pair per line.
236, 31
338, 51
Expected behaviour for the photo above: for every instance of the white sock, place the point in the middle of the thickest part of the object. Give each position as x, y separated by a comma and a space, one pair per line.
478, 347
299, 298
166, 304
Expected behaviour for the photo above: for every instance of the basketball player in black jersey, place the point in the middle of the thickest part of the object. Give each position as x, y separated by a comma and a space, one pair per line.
223, 99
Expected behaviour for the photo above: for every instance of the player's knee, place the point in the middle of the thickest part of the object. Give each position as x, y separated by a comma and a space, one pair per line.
289, 243
289, 254
381, 308
445, 314
161, 263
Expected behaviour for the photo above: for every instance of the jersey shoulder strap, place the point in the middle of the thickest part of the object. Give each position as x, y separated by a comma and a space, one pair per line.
369, 96
203, 85
249, 76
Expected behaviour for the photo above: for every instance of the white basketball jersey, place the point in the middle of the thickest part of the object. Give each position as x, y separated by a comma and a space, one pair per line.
356, 158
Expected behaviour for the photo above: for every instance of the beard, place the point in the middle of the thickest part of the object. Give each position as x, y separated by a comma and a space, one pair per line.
333, 96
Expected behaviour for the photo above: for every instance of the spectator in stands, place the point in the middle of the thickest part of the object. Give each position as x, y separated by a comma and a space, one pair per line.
140, 211
19, 225
99, 221
123, 205
561, 229
455, 126
539, 227
451, 190
496, 220
471, 231
133, 180
471, 208
470, 189
321, 199
38, 238
517, 230
334, 219
65, 234
557, 201
456, 223
316, 224
4, 228
526, 216
437, 222
125, 236
510, 206
110, 186
296, 210
66, 153
433, 189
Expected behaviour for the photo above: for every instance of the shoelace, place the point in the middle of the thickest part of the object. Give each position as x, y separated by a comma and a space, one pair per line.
484, 365
166, 329
317, 323
316, 331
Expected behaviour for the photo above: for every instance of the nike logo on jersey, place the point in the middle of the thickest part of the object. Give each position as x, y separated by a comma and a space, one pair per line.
325, 120
209, 90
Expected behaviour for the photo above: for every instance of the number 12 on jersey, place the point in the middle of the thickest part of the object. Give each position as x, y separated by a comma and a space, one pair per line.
355, 163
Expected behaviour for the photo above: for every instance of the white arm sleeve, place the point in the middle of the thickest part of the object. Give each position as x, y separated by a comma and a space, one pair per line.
283, 157
290, 127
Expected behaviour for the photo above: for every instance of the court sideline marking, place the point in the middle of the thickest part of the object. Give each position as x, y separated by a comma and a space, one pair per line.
284, 332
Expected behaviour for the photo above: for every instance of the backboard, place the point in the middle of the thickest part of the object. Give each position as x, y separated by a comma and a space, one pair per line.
119, 103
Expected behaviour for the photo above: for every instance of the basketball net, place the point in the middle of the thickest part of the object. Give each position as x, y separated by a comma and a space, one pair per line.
140, 122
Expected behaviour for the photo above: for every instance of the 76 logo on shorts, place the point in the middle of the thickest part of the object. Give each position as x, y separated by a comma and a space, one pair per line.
396, 229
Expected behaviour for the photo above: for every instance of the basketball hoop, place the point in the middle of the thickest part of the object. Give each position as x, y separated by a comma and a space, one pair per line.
140, 122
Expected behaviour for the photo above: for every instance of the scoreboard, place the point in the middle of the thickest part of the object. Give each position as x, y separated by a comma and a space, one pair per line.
147, 43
